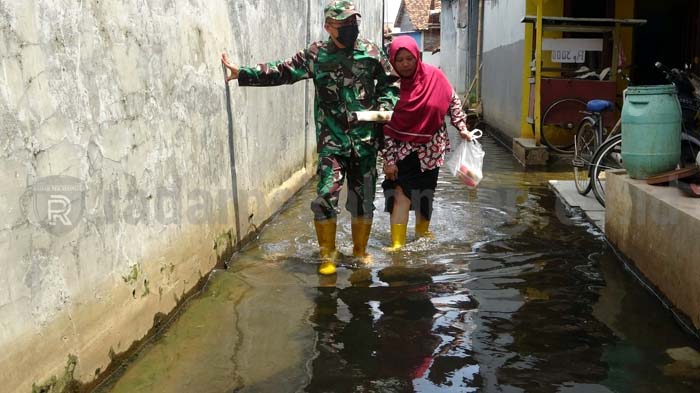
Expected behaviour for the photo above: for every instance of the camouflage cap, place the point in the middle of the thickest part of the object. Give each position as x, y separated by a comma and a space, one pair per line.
340, 10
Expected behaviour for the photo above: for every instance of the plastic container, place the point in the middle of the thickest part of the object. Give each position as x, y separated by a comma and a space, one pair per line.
651, 130
468, 177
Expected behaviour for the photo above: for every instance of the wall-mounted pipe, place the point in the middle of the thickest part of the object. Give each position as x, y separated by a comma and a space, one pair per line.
479, 49
232, 154
306, 86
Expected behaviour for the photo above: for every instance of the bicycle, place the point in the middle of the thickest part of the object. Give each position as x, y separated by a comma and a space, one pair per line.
557, 126
590, 135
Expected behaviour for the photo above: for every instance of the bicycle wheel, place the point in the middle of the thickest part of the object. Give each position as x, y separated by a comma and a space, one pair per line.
608, 157
584, 147
690, 147
559, 124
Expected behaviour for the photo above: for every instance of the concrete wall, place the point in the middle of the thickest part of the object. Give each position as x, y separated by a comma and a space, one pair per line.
503, 43
432, 59
405, 24
125, 102
658, 229
454, 44
459, 20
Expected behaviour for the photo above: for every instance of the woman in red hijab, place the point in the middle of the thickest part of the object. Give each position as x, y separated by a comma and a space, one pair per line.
415, 140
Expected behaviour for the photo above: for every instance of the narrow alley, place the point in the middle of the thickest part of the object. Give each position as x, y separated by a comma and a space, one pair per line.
171, 169
514, 294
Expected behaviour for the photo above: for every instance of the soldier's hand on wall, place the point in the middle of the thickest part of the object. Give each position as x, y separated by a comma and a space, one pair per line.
232, 69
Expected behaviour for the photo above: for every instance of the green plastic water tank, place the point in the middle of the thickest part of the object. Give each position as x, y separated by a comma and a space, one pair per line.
651, 130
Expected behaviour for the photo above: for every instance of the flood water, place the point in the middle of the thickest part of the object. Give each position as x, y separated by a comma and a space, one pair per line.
514, 294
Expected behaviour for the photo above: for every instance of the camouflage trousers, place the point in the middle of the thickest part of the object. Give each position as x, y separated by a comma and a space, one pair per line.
361, 174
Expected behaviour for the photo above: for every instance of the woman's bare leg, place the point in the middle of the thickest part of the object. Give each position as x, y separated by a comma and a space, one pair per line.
402, 205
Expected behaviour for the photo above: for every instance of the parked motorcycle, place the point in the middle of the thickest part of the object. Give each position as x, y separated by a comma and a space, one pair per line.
688, 88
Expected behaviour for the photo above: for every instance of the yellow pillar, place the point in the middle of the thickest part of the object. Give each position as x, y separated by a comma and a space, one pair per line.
538, 72
624, 9
525, 126
549, 8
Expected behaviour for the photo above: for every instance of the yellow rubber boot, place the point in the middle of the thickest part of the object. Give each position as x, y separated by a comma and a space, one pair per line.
422, 229
361, 228
325, 232
398, 236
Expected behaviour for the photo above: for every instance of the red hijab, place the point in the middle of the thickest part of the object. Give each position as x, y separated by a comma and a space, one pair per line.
424, 99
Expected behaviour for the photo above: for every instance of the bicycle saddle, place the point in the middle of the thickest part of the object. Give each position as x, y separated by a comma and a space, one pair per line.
599, 105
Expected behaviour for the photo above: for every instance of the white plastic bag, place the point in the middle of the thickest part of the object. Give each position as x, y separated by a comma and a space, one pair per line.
467, 161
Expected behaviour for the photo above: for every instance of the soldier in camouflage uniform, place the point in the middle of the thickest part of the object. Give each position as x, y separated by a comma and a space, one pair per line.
350, 74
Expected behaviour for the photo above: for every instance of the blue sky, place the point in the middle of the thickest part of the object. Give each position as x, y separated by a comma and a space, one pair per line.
391, 9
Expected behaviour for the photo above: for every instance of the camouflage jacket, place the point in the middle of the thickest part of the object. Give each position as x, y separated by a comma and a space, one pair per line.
345, 81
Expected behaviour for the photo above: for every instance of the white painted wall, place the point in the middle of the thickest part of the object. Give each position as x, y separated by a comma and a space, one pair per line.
128, 100
501, 86
432, 59
390, 11
502, 25
453, 46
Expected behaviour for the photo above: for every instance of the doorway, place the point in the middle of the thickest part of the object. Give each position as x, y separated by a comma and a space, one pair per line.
669, 36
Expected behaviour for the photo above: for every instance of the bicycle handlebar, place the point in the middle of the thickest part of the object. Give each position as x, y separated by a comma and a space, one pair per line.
676, 77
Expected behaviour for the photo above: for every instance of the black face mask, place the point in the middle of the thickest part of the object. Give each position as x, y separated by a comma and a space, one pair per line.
348, 34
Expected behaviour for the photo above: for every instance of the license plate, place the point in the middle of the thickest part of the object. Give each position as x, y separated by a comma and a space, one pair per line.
568, 56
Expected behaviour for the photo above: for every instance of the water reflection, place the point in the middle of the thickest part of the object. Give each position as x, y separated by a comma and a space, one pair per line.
515, 294
376, 338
